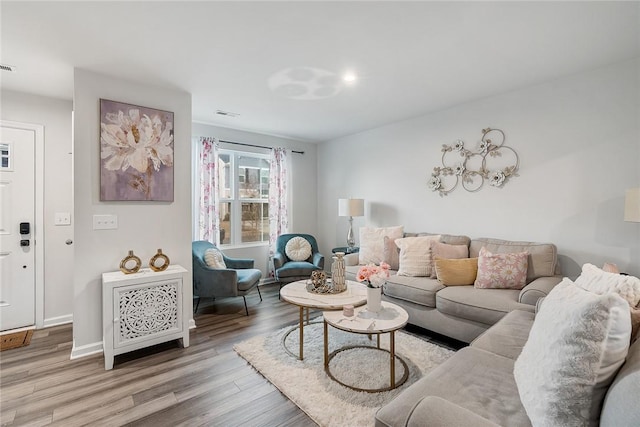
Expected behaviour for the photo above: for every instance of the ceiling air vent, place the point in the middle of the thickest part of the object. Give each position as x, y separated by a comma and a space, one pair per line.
227, 113
9, 68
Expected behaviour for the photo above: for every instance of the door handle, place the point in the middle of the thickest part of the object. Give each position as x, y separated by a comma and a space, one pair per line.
69, 242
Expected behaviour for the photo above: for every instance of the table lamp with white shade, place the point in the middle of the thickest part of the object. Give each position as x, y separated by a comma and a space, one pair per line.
350, 208
632, 205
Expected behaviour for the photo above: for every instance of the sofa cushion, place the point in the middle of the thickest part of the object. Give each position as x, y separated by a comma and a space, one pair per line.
456, 272
474, 379
446, 251
298, 249
434, 411
415, 255
450, 239
247, 278
480, 305
419, 290
501, 271
391, 253
621, 402
296, 268
576, 344
600, 282
213, 258
508, 336
372, 242
543, 257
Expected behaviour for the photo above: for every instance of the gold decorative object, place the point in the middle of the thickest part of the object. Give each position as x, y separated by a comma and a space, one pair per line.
127, 260
463, 171
318, 284
155, 258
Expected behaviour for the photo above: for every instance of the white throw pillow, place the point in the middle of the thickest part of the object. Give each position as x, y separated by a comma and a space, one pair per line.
298, 249
575, 347
600, 282
415, 255
213, 258
372, 242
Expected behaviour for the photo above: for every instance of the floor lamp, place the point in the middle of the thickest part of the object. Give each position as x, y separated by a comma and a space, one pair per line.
350, 208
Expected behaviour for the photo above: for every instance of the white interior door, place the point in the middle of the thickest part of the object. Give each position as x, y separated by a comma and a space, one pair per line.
17, 222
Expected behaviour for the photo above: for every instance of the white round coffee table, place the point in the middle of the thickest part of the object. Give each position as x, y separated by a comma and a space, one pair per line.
388, 320
296, 293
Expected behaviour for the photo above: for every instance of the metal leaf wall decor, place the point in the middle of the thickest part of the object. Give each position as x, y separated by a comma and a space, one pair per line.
475, 167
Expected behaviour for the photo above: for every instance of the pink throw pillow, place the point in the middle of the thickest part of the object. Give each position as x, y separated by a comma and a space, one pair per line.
446, 251
391, 253
501, 271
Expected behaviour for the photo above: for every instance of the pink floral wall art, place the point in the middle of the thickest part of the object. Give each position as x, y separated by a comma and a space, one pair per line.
136, 153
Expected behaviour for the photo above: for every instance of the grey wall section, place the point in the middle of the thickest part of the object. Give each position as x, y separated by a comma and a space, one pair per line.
142, 226
304, 182
55, 116
579, 144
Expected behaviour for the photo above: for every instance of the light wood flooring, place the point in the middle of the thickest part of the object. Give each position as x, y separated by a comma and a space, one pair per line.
166, 385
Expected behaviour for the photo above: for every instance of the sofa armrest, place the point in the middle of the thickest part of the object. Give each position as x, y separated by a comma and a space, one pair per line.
238, 263
538, 288
434, 411
318, 260
215, 282
278, 260
351, 259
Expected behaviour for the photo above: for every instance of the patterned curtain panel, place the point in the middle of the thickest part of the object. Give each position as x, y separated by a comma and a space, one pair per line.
209, 220
278, 195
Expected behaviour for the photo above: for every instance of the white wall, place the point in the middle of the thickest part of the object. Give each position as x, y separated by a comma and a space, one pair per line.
142, 226
304, 183
578, 140
55, 116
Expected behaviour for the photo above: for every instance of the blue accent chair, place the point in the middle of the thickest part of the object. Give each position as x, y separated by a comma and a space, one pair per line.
238, 279
286, 270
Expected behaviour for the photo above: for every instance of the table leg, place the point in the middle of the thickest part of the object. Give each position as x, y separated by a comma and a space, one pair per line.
301, 355
378, 341
392, 352
326, 344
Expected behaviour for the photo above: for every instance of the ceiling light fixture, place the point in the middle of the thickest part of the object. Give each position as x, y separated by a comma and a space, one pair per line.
349, 77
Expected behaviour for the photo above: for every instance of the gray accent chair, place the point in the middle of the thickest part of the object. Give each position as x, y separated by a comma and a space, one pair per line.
238, 279
287, 270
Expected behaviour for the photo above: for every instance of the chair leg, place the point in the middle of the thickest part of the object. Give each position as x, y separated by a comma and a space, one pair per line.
245, 305
258, 288
197, 305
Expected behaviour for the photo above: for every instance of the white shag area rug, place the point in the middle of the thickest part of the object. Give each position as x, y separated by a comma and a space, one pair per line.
324, 400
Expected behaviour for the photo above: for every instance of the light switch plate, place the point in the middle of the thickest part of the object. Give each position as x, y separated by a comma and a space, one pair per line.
105, 222
62, 218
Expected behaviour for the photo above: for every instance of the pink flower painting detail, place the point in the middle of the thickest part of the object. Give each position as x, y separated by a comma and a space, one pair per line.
136, 153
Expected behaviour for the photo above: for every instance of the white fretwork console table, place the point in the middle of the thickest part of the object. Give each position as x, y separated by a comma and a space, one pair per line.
143, 309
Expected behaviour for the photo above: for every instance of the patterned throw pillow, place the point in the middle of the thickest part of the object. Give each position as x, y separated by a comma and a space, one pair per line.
446, 251
501, 271
213, 258
298, 249
372, 242
415, 257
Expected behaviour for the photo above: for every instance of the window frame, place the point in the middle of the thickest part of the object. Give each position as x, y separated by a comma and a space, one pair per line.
236, 202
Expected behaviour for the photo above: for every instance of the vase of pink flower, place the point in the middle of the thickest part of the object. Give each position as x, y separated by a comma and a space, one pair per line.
374, 276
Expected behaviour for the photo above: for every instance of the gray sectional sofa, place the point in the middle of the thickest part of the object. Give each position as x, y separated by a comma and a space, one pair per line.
464, 312
476, 386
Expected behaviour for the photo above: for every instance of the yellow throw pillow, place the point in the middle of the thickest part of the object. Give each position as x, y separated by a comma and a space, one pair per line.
456, 272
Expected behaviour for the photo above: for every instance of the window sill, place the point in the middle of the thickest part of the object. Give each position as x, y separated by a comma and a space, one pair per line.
245, 245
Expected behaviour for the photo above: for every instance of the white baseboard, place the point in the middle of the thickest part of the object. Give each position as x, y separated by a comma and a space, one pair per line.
85, 350
60, 320
267, 281
192, 324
